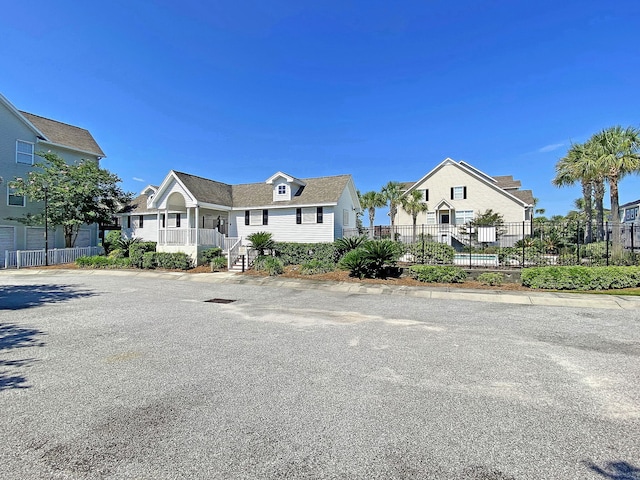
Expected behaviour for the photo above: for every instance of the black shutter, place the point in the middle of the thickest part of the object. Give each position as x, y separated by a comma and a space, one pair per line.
265, 217
451, 193
464, 192
141, 220
298, 216
319, 215
426, 195
128, 221
246, 217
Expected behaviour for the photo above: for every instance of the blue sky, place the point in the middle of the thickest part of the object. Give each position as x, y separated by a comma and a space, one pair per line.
236, 91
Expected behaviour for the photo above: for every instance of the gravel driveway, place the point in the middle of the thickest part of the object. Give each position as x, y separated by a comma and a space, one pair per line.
124, 377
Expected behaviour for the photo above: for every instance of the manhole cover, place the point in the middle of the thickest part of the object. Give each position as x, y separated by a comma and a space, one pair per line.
220, 300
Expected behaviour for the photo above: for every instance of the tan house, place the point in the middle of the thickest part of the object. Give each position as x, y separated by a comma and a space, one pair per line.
457, 192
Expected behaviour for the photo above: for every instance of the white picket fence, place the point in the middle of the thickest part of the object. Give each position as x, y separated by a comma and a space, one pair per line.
36, 258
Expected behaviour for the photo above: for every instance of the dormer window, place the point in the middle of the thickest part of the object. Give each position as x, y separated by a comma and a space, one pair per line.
282, 189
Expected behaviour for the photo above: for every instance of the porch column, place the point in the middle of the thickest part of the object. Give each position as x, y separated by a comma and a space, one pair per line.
158, 224
196, 224
188, 225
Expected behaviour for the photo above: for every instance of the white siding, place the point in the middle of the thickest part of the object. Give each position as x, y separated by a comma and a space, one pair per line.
346, 202
149, 230
7, 241
283, 227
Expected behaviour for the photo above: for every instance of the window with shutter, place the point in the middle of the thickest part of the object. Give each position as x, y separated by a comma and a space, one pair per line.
298, 216
319, 215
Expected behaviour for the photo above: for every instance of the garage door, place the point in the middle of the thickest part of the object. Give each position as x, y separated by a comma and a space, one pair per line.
84, 238
35, 238
7, 236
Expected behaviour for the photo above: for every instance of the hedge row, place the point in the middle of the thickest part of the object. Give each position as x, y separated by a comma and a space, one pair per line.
581, 278
298, 253
170, 261
438, 273
99, 261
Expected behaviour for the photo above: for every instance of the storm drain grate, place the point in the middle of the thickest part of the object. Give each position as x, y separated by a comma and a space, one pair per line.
220, 300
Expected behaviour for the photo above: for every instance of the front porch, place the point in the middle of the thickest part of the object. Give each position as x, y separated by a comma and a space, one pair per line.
193, 241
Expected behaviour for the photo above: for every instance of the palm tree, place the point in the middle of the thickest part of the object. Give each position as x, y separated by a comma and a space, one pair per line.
579, 165
617, 149
370, 201
413, 203
392, 192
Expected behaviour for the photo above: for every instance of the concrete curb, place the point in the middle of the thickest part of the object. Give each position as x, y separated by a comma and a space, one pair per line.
554, 299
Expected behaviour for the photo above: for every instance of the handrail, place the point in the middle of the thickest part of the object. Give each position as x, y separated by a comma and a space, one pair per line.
234, 253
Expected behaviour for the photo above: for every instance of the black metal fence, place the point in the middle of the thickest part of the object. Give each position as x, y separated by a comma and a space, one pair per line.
513, 245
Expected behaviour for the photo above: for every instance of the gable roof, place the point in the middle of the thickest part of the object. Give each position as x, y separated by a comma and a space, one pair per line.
138, 205
320, 190
509, 189
205, 190
65, 135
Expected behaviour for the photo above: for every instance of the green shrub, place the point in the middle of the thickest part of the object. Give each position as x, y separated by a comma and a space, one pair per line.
291, 253
491, 278
137, 251
261, 241
381, 254
173, 261
218, 263
117, 253
124, 244
111, 241
438, 273
210, 253
344, 245
317, 266
149, 260
432, 252
99, 261
272, 265
581, 278
356, 262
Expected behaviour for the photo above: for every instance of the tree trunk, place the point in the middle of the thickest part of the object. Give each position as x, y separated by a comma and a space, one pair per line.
615, 214
587, 188
598, 192
372, 217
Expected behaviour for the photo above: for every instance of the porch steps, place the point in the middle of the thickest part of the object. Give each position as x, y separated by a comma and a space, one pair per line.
237, 267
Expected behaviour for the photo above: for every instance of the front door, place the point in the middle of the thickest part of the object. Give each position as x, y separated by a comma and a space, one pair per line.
444, 218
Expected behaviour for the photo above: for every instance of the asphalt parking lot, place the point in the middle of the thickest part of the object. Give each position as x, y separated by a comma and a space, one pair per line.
133, 377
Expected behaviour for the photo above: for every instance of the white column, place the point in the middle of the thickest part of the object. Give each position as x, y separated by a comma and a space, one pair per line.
188, 224
158, 225
197, 225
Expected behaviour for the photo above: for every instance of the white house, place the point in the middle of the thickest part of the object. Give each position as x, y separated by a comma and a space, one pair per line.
456, 192
22, 135
189, 213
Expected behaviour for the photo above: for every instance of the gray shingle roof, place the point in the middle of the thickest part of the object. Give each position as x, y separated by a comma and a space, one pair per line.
137, 206
507, 182
205, 190
60, 133
317, 190
524, 195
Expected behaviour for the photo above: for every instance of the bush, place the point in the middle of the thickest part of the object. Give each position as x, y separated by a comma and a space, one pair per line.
356, 262
432, 252
491, 278
261, 241
272, 265
124, 244
317, 266
344, 245
99, 261
438, 273
137, 251
111, 241
381, 254
581, 278
172, 261
209, 254
149, 260
291, 253
218, 263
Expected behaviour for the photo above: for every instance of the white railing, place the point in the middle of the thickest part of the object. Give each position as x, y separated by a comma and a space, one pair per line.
195, 236
234, 253
36, 258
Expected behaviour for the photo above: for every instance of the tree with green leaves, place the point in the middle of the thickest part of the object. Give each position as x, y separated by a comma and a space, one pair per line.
413, 203
77, 194
618, 155
392, 192
370, 201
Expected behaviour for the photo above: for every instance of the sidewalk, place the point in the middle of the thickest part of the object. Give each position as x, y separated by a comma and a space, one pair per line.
555, 299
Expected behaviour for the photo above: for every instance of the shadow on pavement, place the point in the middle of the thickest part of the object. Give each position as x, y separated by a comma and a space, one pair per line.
11, 337
615, 470
17, 297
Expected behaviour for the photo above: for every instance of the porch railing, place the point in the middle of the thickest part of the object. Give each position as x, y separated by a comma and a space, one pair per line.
193, 236
234, 253
36, 258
